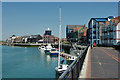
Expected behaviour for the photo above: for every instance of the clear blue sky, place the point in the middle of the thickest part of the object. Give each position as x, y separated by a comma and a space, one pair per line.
27, 18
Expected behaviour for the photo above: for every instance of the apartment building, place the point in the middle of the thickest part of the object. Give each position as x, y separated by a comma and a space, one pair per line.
76, 33
83, 35
48, 37
95, 29
111, 32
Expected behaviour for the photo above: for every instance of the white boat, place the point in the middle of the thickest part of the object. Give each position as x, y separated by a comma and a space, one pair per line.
48, 48
42, 47
54, 52
61, 67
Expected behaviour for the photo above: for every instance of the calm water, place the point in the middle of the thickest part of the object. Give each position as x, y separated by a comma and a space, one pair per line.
27, 62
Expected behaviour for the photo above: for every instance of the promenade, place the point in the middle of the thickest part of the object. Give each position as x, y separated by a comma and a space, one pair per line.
104, 63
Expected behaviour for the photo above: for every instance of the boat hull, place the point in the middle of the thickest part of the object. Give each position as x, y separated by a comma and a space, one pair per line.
54, 54
47, 51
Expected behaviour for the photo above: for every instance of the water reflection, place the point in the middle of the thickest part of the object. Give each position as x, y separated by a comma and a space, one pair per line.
48, 59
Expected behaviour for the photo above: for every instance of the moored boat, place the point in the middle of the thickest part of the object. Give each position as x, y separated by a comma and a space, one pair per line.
42, 47
48, 48
54, 52
61, 68
71, 58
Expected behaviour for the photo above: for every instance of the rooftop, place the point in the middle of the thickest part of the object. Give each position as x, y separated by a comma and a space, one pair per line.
74, 26
111, 17
101, 19
117, 19
48, 29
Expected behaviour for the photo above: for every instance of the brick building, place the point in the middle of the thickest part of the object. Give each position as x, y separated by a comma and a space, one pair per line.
48, 37
111, 32
76, 33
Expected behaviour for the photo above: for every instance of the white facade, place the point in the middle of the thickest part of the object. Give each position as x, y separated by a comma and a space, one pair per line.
95, 31
118, 33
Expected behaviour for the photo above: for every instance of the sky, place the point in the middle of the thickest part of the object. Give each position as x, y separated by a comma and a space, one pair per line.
119, 8
31, 18
60, 0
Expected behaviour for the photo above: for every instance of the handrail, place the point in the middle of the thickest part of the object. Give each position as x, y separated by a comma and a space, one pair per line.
73, 65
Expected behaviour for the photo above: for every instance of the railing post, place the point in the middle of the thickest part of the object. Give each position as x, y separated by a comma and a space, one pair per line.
72, 74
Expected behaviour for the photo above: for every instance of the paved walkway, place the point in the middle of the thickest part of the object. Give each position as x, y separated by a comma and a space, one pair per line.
104, 63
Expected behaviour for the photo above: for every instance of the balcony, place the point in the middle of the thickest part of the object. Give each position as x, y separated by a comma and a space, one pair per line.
90, 27
94, 32
90, 32
102, 37
108, 29
90, 37
94, 37
105, 37
111, 36
108, 37
103, 30
94, 26
111, 29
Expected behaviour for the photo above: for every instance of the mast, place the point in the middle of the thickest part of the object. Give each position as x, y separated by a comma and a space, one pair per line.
59, 39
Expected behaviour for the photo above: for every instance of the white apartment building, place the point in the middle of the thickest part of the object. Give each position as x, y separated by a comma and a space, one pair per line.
95, 29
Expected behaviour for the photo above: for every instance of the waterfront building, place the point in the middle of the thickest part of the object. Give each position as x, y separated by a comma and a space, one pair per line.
76, 33
17, 40
25, 39
48, 37
31, 38
11, 39
48, 32
34, 38
111, 32
40, 41
95, 29
83, 35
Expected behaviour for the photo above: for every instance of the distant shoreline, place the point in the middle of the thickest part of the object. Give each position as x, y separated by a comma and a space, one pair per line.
27, 44
66, 47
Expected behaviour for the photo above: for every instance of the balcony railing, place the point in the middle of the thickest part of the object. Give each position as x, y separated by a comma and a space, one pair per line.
108, 29
111, 36
94, 32
94, 26
108, 37
105, 36
94, 37
103, 30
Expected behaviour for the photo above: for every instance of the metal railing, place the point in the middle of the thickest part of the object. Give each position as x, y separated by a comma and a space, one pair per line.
74, 69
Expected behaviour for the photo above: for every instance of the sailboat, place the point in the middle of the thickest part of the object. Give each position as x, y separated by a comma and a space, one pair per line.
61, 67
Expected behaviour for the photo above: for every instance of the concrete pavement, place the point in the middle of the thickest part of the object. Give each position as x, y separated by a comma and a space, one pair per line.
105, 63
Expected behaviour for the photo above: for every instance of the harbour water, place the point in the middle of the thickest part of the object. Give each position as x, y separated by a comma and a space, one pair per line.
27, 62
